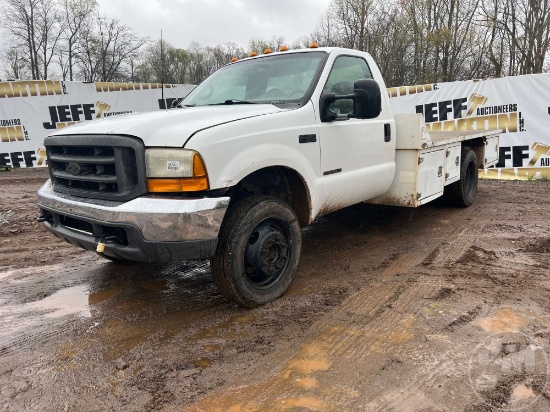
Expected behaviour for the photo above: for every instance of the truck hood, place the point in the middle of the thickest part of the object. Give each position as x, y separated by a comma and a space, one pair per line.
172, 127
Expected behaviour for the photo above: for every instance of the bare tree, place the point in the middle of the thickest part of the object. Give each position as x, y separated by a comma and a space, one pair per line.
105, 49
15, 67
524, 26
49, 32
75, 14
21, 22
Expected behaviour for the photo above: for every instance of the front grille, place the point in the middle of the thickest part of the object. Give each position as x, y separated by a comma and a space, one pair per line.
101, 167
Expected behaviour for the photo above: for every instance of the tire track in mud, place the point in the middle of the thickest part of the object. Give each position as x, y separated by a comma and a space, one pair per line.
367, 329
375, 329
364, 330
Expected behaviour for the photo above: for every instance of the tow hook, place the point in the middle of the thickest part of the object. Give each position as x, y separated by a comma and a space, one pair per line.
44, 216
105, 239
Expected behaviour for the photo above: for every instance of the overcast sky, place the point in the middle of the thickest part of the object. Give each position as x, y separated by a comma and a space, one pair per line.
212, 22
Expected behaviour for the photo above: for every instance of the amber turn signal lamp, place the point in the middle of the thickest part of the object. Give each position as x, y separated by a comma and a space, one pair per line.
177, 185
198, 167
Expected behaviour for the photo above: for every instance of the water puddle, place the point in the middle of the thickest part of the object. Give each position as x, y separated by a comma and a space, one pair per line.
69, 301
202, 363
505, 319
99, 297
113, 322
155, 285
278, 392
312, 358
306, 383
522, 393
73, 300
308, 402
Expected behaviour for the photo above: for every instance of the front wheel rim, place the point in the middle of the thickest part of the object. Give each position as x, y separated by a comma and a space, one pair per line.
267, 253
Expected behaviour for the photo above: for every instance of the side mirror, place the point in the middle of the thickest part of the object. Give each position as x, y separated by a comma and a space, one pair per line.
368, 104
367, 101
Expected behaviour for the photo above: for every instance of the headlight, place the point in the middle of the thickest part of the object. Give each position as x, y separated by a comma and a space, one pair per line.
175, 170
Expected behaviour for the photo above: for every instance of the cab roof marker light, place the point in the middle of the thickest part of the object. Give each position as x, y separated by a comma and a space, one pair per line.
313, 45
283, 48
253, 54
267, 51
234, 59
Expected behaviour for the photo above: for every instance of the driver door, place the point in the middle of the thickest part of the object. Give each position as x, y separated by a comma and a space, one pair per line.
356, 161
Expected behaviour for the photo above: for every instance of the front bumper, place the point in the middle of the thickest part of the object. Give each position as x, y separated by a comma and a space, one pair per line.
146, 229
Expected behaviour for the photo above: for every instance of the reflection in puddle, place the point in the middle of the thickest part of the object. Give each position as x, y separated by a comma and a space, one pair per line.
64, 302
505, 319
102, 296
73, 300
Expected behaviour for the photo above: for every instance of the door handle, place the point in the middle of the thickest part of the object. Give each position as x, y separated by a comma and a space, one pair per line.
387, 133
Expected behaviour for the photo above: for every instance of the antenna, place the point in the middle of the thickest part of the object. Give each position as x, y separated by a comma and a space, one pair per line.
162, 70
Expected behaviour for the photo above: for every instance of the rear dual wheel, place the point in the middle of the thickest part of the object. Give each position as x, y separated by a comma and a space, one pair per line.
463, 192
258, 251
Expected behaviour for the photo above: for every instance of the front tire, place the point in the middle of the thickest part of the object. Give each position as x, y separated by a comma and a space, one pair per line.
463, 192
258, 251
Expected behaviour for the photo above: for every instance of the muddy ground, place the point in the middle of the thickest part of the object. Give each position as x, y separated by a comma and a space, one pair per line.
431, 309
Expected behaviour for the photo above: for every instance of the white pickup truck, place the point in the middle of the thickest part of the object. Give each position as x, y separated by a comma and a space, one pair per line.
260, 149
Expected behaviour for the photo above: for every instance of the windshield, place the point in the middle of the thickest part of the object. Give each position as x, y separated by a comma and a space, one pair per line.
274, 79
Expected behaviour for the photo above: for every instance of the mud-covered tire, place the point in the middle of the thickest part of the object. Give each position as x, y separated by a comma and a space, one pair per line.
258, 251
463, 192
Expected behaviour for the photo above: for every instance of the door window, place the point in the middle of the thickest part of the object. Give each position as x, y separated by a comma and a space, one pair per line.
345, 72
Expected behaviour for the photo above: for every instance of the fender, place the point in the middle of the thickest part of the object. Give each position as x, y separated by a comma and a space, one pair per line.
235, 150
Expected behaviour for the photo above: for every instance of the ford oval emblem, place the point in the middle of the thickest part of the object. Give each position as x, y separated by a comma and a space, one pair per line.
73, 168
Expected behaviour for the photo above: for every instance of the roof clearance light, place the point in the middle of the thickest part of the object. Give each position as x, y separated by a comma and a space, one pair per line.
234, 59
313, 45
267, 51
253, 54
283, 48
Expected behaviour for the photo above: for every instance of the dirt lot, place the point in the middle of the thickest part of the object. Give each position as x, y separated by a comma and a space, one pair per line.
432, 309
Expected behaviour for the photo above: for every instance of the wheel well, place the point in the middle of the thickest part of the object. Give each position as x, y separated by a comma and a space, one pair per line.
280, 182
478, 146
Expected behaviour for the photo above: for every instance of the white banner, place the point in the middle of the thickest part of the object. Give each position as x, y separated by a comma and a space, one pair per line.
30, 110
518, 105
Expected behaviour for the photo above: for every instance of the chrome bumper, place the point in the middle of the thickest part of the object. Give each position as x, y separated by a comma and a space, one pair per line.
157, 218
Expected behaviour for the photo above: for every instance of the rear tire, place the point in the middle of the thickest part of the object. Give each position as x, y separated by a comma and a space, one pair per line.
463, 192
258, 251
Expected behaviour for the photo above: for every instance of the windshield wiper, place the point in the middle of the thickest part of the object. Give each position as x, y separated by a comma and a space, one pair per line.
233, 101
